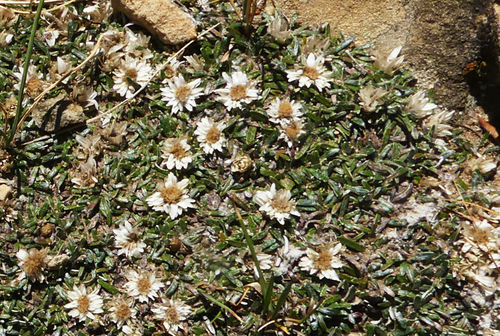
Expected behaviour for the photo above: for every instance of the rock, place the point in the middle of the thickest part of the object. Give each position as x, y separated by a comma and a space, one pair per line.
57, 113
5, 191
161, 17
440, 38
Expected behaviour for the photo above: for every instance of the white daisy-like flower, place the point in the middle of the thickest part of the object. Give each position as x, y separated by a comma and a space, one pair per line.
33, 263
322, 263
239, 90
312, 72
419, 105
172, 313
209, 135
440, 123
142, 285
283, 111
128, 241
370, 97
287, 256
292, 131
276, 203
171, 197
122, 313
389, 63
131, 69
34, 83
181, 95
84, 305
176, 153
480, 237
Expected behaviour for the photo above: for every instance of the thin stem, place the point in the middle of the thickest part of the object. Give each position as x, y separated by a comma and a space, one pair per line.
27, 60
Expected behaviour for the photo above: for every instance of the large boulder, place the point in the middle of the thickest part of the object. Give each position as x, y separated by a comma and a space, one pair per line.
161, 17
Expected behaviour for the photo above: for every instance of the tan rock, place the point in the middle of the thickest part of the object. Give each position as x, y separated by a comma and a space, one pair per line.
5, 191
57, 113
161, 17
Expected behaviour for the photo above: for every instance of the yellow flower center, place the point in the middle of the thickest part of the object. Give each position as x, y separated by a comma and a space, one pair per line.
34, 264
171, 194
177, 149
480, 236
281, 203
238, 92
171, 314
311, 72
122, 311
285, 110
131, 73
293, 131
213, 135
182, 93
143, 285
324, 260
83, 304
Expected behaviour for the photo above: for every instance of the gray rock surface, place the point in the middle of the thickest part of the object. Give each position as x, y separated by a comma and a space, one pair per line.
161, 17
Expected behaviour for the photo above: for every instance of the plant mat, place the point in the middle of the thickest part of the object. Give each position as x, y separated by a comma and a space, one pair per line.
273, 180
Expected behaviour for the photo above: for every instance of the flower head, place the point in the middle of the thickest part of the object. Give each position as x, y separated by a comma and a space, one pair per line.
50, 36
419, 105
323, 262
287, 256
86, 176
171, 197
32, 262
439, 121
172, 313
481, 237
389, 63
283, 111
370, 97
122, 312
130, 69
278, 28
292, 131
176, 153
238, 90
34, 83
276, 203
209, 135
127, 240
311, 72
142, 285
181, 95
84, 305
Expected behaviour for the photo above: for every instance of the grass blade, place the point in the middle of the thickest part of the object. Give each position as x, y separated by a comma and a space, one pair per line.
281, 300
262, 280
27, 61
268, 295
220, 304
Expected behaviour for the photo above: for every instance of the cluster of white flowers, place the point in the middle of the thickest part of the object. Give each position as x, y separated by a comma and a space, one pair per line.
418, 104
322, 261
